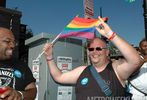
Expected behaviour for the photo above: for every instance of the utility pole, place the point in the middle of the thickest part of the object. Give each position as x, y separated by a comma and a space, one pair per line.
145, 16
89, 13
104, 38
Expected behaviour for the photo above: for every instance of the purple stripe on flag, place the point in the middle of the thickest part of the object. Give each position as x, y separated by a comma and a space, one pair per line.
88, 35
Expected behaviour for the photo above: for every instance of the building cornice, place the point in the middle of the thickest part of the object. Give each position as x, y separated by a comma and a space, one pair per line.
10, 11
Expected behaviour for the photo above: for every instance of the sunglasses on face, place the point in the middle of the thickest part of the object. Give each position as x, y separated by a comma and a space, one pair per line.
97, 49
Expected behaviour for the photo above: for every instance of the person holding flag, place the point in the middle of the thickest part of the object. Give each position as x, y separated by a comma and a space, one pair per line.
112, 75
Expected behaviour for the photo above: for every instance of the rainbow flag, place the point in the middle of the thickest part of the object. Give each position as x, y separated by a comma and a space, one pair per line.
81, 27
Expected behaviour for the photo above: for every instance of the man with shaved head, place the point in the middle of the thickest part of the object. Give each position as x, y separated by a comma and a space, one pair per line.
114, 74
16, 79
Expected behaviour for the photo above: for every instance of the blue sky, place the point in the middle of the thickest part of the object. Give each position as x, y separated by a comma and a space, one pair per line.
51, 16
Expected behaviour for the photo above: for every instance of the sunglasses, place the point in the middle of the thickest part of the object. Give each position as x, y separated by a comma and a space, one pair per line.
97, 49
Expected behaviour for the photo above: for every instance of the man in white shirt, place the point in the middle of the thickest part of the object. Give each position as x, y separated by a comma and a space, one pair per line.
138, 83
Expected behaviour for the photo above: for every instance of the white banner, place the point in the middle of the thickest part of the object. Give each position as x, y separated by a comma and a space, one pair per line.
64, 63
88, 9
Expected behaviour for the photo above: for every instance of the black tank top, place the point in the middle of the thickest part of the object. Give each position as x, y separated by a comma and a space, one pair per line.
88, 89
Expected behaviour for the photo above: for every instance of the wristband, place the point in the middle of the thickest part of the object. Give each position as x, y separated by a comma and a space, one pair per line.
49, 59
112, 36
3, 90
22, 98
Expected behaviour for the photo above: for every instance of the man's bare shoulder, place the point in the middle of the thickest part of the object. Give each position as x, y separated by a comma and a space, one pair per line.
80, 68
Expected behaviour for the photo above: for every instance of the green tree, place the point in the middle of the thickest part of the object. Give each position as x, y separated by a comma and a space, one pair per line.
23, 53
85, 53
29, 33
112, 49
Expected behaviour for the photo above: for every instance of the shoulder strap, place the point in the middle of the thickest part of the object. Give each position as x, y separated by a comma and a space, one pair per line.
104, 87
136, 88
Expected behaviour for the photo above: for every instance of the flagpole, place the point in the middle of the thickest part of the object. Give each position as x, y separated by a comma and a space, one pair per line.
52, 43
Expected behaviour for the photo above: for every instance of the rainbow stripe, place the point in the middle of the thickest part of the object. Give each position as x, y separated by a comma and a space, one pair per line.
81, 27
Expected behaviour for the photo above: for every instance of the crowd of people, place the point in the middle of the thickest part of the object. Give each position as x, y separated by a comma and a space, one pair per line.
102, 79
